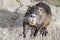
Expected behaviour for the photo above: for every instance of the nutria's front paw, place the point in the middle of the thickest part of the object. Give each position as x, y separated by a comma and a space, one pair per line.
44, 32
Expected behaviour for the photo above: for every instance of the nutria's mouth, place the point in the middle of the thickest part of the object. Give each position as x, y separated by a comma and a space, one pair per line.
32, 21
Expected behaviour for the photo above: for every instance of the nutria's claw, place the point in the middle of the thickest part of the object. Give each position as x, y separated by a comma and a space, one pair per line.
24, 36
44, 33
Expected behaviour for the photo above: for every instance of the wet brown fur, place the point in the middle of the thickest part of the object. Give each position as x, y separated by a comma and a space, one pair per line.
45, 16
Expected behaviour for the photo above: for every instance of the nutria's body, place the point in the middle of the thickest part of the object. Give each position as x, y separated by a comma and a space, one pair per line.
38, 17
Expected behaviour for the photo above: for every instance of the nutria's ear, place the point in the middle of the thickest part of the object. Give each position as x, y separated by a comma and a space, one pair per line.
27, 12
29, 7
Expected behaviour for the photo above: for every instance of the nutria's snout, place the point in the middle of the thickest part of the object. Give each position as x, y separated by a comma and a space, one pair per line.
32, 19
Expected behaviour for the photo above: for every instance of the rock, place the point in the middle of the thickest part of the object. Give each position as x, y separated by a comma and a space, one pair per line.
22, 10
13, 5
7, 18
25, 2
10, 5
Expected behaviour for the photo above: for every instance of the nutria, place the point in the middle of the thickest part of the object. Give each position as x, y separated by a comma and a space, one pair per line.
38, 17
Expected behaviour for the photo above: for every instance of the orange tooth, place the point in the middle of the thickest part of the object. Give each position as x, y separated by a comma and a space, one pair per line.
31, 21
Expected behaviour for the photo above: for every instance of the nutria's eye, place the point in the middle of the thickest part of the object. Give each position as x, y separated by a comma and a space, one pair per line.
36, 13
41, 9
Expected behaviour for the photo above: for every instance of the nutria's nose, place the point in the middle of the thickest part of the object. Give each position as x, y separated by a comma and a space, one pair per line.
33, 15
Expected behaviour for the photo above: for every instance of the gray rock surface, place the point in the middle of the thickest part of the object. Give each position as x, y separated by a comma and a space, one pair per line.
10, 5
7, 18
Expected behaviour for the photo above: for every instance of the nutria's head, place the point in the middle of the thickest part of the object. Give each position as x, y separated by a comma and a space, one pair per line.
36, 15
